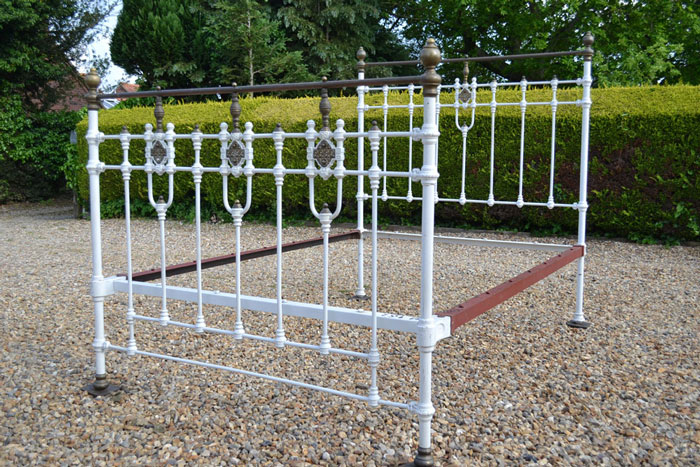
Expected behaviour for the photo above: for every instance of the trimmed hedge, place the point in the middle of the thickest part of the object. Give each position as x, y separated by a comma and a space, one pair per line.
643, 174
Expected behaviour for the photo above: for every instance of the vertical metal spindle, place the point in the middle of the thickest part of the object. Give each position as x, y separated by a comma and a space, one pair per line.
94, 167
360, 196
126, 176
437, 143
237, 212
374, 172
430, 57
197, 172
411, 109
278, 172
385, 109
325, 219
523, 107
579, 321
494, 86
550, 200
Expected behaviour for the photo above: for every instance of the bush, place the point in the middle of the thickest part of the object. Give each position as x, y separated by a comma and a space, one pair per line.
34, 151
643, 177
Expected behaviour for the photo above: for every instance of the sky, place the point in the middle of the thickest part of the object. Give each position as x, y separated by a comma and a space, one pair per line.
100, 48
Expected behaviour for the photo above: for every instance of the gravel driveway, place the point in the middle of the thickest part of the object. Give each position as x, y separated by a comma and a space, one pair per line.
513, 386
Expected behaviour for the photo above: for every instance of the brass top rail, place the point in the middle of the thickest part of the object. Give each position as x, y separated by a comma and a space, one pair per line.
267, 87
490, 58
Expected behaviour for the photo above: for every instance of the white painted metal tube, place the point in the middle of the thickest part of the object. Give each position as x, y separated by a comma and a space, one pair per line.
426, 323
360, 196
550, 200
483, 242
260, 375
492, 202
523, 108
256, 337
385, 107
97, 286
126, 176
356, 317
411, 107
197, 178
583, 185
493, 85
278, 138
374, 351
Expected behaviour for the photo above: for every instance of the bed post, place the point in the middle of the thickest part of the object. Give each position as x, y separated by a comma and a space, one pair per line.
97, 289
360, 291
579, 321
430, 58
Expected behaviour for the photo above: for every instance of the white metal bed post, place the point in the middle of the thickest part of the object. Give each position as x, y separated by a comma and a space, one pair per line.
360, 292
579, 321
98, 288
430, 58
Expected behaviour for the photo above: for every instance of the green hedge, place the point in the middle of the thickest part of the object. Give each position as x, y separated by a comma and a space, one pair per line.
643, 177
35, 149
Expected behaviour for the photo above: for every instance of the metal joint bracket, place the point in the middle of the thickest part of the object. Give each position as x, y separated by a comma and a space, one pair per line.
420, 409
430, 332
101, 287
425, 175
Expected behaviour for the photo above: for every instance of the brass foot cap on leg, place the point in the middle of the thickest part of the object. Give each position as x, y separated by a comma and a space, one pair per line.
424, 458
101, 387
578, 324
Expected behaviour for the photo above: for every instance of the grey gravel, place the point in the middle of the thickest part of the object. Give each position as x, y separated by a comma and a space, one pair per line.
514, 386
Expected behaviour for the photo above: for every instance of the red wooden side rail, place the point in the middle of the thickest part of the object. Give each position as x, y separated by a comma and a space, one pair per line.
467, 311
182, 268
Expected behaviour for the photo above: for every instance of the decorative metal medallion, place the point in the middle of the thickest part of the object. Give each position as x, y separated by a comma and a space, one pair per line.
465, 95
158, 153
235, 153
324, 153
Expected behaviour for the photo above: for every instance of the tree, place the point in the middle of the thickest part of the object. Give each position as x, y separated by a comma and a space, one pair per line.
39, 42
249, 46
636, 42
329, 32
164, 42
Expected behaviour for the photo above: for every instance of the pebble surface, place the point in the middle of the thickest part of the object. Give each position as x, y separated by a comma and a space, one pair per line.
514, 386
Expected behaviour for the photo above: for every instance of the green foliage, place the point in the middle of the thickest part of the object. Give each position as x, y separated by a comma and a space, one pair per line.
34, 151
39, 41
328, 33
641, 42
163, 41
643, 177
250, 47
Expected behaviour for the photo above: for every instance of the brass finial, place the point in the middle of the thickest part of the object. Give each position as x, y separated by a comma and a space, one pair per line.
325, 209
588, 44
159, 112
125, 130
161, 200
325, 107
278, 127
237, 204
374, 126
466, 71
361, 55
430, 58
92, 80
235, 110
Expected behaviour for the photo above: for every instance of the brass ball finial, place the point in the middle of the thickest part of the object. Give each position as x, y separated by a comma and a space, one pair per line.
361, 55
588, 40
92, 79
430, 55
430, 58
324, 78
